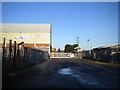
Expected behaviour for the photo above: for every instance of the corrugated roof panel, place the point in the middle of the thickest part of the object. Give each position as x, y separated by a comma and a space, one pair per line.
26, 27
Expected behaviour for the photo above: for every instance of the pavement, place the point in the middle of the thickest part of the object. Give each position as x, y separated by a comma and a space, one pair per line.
64, 73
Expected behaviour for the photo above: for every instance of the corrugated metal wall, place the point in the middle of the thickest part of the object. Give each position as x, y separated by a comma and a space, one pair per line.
103, 54
25, 57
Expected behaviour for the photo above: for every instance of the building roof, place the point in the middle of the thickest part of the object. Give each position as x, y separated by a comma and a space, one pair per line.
114, 46
26, 27
103, 47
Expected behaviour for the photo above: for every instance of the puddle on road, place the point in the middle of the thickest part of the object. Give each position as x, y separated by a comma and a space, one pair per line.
81, 77
65, 71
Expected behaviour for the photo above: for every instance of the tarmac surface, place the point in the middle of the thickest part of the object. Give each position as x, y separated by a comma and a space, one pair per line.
64, 73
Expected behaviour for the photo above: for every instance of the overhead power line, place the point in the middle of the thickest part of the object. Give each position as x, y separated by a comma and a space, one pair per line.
77, 40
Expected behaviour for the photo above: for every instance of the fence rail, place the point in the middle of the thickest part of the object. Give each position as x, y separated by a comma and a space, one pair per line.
15, 58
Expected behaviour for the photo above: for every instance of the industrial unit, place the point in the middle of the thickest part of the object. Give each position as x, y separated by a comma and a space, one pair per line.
33, 35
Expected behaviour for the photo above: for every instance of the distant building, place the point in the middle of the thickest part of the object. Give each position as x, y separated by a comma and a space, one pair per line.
53, 50
33, 35
77, 49
62, 51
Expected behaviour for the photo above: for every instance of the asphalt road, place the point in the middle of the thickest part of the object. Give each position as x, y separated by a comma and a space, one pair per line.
64, 73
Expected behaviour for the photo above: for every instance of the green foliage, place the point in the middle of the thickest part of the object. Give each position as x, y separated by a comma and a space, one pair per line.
58, 50
70, 48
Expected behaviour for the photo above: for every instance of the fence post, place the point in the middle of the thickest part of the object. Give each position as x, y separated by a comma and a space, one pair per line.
18, 48
10, 48
3, 58
4, 48
15, 49
14, 54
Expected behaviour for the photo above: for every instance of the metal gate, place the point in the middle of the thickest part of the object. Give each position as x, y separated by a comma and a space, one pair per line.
60, 55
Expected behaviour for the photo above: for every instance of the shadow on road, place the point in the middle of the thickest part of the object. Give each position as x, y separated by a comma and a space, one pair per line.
63, 73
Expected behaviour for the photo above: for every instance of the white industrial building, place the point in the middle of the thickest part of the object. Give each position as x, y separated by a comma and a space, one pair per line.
33, 35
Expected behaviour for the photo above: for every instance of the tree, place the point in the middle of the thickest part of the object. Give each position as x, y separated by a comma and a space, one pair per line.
70, 48
75, 45
58, 50
67, 48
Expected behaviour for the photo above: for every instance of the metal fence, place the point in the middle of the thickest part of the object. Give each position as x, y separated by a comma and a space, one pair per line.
65, 55
59, 55
15, 58
103, 54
